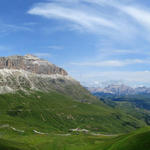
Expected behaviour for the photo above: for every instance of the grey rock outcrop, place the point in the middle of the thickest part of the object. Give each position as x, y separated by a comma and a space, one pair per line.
31, 64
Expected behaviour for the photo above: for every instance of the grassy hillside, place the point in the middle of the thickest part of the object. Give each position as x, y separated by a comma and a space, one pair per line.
56, 112
134, 105
138, 140
42, 121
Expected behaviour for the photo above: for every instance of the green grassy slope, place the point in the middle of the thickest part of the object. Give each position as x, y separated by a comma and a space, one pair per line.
53, 115
31, 141
135, 105
138, 140
57, 112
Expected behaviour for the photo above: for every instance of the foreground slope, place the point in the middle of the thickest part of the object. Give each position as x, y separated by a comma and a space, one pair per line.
138, 140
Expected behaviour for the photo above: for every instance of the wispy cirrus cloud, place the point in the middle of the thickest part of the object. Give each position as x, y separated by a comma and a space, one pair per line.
113, 19
137, 12
108, 52
132, 78
140, 15
43, 55
112, 63
78, 16
5, 28
55, 47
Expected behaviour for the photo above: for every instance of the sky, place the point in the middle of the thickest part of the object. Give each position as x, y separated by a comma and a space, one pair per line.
96, 41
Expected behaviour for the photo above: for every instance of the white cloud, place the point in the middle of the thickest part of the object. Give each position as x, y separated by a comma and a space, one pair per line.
140, 15
109, 63
100, 16
17, 28
121, 52
82, 18
114, 19
55, 47
132, 78
42, 55
5, 29
112, 63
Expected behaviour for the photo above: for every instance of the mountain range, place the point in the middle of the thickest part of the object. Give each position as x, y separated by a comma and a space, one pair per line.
119, 89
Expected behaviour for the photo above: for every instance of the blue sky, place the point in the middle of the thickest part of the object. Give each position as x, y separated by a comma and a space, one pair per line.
94, 40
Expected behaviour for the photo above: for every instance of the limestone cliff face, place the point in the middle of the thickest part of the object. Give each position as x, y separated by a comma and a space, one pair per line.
31, 64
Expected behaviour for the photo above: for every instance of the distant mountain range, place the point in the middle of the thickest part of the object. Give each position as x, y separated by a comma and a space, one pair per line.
119, 89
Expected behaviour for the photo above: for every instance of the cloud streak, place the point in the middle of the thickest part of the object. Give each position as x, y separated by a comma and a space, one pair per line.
74, 15
112, 63
55, 47
113, 19
5, 29
140, 15
133, 78
43, 55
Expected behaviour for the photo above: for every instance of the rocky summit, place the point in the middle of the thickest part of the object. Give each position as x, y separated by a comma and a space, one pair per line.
31, 64
31, 73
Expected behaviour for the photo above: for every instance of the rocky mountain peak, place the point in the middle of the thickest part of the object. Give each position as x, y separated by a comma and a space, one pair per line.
31, 64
